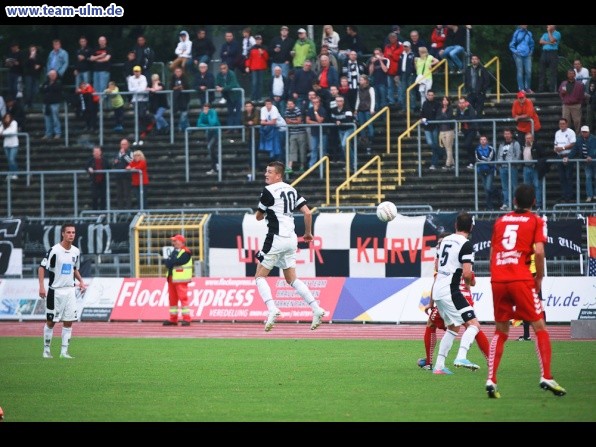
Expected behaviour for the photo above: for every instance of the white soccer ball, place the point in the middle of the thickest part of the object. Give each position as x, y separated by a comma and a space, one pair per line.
386, 211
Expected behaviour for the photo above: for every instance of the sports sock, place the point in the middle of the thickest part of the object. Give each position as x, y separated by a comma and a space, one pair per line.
265, 292
497, 346
444, 348
544, 351
66, 334
430, 333
466, 341
48, 333
483, 343
306, 295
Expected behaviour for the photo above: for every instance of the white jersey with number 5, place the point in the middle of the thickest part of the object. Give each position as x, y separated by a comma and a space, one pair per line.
278, 202
452, 253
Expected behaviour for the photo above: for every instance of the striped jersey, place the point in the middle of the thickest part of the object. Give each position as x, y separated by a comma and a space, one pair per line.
453, 252
278, 202
61, 264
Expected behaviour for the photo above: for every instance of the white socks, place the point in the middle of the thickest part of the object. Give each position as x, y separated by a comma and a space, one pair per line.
305, 294
444, 348
48, 333
466, 341
66, 334
265, 292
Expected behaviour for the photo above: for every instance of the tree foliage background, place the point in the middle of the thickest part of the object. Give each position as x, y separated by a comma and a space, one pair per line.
578, 41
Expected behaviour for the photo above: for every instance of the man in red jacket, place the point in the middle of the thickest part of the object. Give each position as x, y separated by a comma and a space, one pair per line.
256, 64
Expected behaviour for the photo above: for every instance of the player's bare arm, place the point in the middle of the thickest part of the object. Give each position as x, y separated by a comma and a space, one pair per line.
308, 237
79, 278
40, 276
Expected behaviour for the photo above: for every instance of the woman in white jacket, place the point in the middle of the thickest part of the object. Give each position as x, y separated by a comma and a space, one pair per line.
8, 130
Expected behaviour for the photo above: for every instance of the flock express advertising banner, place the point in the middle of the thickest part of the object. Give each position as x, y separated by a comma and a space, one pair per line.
382, 300
223, 299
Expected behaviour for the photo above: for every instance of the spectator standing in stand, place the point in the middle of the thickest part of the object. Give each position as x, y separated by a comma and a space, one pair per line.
572, 97
32, 67
180, 99
279, 51
591, 109
121, 161
101, 58
465, 113
476, 84
98, 179
51, 92
202, 48
585, 149
533, 173
144, 55
430, 110
565, 140
139, 162
256, 65
522, 47
83, 68
57, 59
549, 59
523, 111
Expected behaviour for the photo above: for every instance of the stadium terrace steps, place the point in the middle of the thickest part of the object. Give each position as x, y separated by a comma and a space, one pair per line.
168, 187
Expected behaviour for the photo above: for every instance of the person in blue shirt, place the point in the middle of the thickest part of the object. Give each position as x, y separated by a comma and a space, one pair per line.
549, 59
522, 47
208, 118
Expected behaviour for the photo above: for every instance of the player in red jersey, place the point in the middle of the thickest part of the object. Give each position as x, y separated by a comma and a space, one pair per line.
516, 236
435, 321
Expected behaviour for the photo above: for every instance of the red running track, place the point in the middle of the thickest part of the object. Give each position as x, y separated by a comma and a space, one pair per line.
251, 330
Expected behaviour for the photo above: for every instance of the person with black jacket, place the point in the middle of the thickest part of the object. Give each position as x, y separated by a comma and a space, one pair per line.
202, 48
430, 110
144, 55
279, 52
51, 91
476, 83
98, 179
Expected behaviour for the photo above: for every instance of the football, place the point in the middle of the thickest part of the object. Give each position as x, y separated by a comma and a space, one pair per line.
386, 211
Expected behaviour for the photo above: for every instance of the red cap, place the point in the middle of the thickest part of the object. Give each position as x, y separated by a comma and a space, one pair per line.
521, 94
179, 237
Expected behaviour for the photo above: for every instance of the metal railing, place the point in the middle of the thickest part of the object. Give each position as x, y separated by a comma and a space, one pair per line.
346, 184
75, 187
455, 122
324, 159
510, 172
362, 128
253, 148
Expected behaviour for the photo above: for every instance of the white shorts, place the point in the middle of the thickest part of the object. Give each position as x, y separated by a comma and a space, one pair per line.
61, 304
278, 252
455, 310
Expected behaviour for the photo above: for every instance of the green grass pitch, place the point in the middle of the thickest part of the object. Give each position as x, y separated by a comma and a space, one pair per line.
282, 380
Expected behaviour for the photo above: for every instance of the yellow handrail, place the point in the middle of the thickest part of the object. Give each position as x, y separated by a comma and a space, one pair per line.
311, 169
405, 133
498, 76
415, 85
347, 182
384, 110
